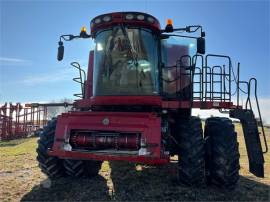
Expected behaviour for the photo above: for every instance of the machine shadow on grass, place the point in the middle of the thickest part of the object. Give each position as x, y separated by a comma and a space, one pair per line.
160, 184
143, 183
71, 189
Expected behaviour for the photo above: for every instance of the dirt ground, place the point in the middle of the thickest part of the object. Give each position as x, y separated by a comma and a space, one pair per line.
21, 179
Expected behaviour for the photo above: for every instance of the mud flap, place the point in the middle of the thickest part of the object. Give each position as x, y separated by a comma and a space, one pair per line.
252, 140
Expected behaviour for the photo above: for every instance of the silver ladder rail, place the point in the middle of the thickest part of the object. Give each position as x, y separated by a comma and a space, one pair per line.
79, 79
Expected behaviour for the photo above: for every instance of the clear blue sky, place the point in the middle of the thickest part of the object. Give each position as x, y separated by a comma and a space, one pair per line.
30, 31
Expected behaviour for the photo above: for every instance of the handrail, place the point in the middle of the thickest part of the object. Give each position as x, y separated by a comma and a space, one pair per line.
187, 67
230, 69
79, 79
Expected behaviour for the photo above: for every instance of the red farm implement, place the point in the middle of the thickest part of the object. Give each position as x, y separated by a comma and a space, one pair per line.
18, 121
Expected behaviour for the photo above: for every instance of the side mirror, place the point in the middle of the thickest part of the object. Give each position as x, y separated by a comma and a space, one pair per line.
60, 53
201, 45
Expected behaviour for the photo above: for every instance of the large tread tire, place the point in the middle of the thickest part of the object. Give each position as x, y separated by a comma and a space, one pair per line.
191, 151
50, 165
222, 154
80, 168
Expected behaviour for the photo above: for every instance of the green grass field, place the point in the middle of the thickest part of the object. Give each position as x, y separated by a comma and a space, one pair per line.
21, 179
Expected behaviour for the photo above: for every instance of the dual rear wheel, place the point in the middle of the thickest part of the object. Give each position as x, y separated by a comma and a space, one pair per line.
222, 153
213, 157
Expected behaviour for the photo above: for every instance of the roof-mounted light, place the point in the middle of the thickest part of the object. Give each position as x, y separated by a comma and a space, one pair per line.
150, 19
97, 21
92, 25
107, 18
140, 17
169, 26
83, 33
129, 16
83, 29
169, 22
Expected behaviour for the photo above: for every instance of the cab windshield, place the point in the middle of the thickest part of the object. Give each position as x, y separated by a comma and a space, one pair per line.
126, 62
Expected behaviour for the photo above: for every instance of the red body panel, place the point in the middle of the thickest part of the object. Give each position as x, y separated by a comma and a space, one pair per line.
150, 101
109, 157
119, 100
197, 104
89, 82
147, 124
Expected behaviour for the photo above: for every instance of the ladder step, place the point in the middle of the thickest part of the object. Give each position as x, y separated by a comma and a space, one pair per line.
252, 139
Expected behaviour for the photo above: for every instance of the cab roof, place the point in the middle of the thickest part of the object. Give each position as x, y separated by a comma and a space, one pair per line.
136, 19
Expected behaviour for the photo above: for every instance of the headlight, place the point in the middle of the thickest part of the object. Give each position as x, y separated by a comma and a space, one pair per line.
98, 20
140, 17
129, 16
106, 18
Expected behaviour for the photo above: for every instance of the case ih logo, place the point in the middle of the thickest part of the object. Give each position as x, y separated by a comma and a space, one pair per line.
105, 121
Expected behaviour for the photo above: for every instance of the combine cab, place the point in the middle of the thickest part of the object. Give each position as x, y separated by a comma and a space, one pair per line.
136, 100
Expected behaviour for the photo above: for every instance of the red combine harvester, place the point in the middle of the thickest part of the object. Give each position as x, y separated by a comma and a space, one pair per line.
135, 105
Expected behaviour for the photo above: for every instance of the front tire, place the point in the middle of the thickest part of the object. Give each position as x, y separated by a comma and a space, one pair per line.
79, 168
50, 165
191, 151
222, 155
